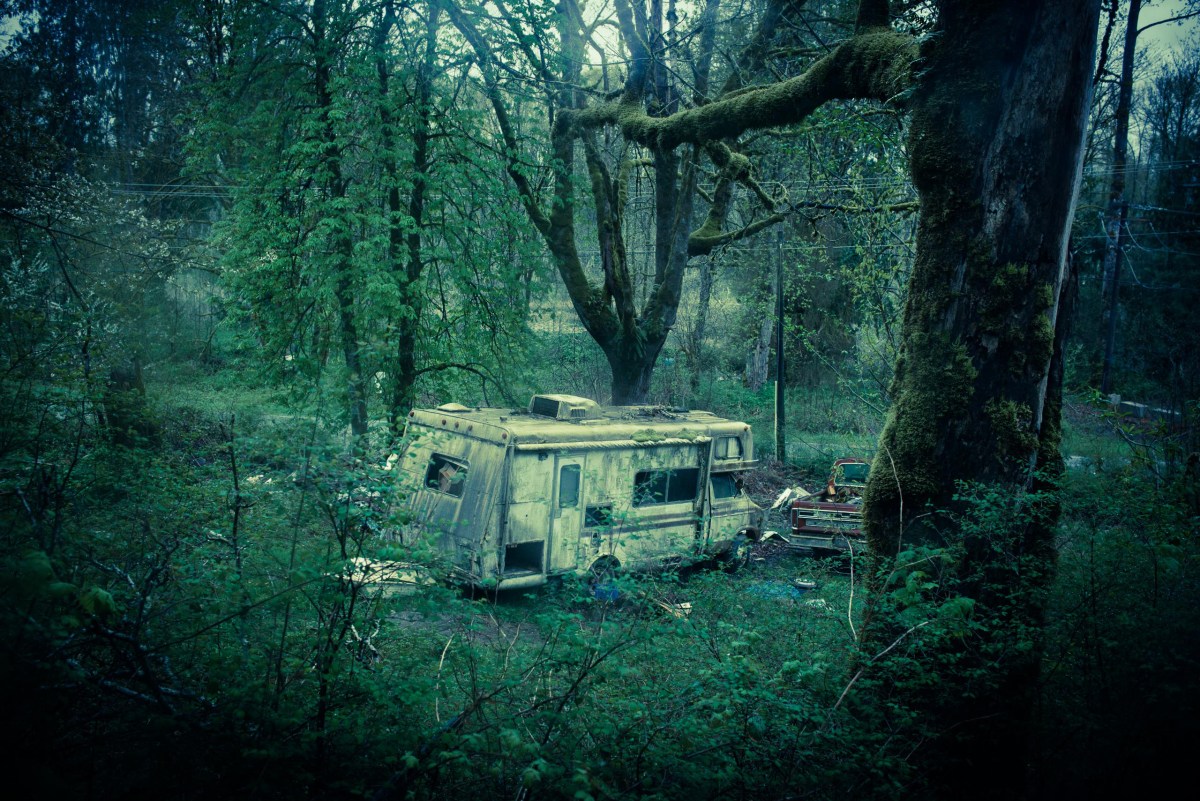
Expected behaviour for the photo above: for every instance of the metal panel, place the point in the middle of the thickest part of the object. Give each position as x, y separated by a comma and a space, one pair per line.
439, 517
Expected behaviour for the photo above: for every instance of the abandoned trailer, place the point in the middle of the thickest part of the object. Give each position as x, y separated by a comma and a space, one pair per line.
510, 497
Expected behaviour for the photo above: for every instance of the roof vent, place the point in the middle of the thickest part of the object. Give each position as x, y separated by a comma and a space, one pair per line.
564, 407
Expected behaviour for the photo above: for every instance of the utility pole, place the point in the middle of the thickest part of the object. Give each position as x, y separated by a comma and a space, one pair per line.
780, 417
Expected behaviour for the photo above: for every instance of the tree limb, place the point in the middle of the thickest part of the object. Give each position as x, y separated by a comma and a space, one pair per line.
869, 66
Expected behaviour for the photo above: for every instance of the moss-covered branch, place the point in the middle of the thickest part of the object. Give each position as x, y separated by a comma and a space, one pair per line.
707, 238
869, 66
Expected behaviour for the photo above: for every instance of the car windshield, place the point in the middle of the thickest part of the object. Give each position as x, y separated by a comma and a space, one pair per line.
856, 472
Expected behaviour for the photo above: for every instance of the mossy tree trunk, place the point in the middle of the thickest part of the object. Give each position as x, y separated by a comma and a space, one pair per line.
630, 334
996, 140
996, 145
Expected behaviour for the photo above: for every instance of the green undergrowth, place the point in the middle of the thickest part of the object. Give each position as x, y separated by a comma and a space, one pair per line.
178, 621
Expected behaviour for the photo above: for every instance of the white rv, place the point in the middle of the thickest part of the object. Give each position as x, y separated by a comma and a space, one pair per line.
510, 497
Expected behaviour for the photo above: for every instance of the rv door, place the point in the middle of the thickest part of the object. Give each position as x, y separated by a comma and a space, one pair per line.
731, 510
566, 516
704, 497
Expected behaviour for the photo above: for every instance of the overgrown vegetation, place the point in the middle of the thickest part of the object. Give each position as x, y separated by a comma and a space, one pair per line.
183, 626
240, 241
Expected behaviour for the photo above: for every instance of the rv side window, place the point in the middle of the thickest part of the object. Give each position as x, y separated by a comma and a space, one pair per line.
650, 486
665, 486
728, 448
724, 486
683, 485
598, 516
568, 486
446, 475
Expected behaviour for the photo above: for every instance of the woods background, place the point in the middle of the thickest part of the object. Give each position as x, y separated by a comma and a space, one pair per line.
243, 238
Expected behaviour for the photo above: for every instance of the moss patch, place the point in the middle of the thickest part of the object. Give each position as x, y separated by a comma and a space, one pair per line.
1012, 428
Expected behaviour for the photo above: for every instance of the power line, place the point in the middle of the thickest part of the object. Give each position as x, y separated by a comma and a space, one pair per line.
220, 190
1144, 207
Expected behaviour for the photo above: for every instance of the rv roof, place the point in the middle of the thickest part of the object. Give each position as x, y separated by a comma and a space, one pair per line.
607, 423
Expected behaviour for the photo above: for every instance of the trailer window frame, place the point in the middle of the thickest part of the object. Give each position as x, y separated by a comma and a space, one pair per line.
576, 485
728, 448
663, 486
451, 484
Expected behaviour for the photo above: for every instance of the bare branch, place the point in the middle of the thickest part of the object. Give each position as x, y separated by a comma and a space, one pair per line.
873, 659
705, 239
1179, 18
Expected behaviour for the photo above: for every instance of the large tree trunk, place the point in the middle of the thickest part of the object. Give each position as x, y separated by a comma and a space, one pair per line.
996, 140
632, 363
631, 337
996, 143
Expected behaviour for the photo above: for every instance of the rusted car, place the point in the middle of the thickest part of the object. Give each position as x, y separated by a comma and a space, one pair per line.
831, 520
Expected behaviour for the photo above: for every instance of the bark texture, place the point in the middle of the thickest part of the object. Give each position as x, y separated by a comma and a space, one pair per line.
996, 145
996, 138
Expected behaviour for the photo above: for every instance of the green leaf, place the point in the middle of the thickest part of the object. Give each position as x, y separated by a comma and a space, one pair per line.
98, 602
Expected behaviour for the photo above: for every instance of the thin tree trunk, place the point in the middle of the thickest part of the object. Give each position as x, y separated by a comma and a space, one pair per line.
408, 269
780, 368
696, 346
1118, 206
758, 362
356, 389
343, 244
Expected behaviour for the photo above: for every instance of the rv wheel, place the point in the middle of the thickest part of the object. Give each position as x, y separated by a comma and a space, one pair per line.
600, 578
739, 552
